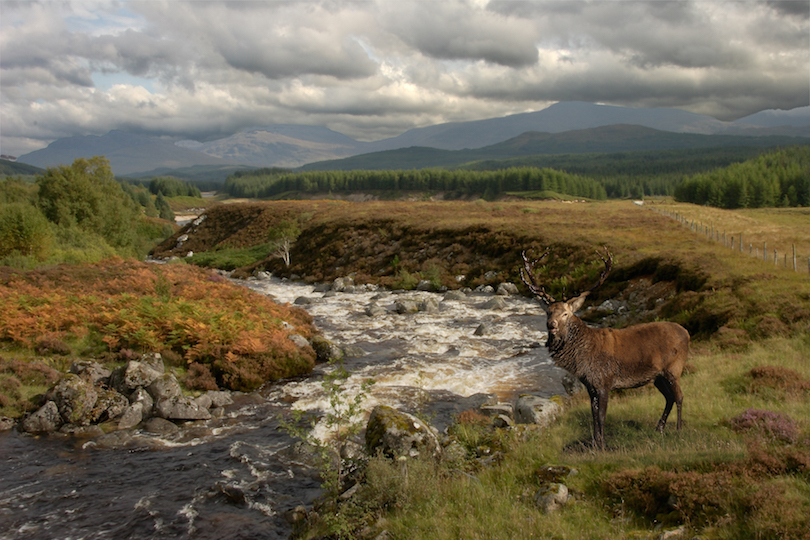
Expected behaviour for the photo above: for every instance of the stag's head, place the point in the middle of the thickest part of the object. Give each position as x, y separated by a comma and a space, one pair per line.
560, 313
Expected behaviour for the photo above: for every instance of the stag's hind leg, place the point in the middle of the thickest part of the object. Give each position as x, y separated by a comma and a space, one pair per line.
669, 387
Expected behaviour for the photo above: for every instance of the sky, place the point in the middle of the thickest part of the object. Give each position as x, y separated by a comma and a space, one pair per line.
204, 70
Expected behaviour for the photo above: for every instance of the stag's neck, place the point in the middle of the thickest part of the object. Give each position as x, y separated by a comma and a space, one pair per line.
568, 352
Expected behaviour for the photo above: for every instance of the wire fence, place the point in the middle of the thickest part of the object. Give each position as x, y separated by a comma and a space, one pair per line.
788, 259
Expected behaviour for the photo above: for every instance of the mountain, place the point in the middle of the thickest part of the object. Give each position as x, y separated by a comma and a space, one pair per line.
127, 152
280, 145
605, 139
292, 146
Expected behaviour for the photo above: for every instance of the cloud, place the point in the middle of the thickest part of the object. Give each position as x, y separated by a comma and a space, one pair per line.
374, 69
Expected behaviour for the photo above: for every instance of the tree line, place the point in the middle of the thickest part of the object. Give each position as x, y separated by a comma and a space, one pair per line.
779, 178
265, 183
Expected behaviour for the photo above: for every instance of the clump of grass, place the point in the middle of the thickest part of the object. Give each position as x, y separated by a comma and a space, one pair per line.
768, 425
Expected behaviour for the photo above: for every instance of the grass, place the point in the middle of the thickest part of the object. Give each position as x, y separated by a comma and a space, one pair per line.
718, 482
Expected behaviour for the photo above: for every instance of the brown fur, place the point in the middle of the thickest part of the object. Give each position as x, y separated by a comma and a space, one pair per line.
604, 359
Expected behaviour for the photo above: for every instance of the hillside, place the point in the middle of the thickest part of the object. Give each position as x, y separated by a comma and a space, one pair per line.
11, 168
608, 139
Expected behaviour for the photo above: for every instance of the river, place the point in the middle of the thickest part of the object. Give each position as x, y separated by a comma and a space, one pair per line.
236, 476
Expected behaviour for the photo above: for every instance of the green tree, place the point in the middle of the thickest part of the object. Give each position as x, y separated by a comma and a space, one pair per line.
23, 229
85, 195
282, 237
163, 208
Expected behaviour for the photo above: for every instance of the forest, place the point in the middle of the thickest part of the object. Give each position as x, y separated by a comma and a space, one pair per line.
779, 178
265, 183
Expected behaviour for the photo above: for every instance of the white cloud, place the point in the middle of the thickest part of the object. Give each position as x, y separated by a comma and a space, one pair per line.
374, 69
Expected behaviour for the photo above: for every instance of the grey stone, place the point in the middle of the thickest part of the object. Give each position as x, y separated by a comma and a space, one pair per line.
399, 434
424, 285
89, 370
374, 310
140, 395
505, 409
299, 340
75, 398
127, 378
454, 295
429, 305
220, 398
507, 289
551, 497
325, 350
164, 387
180, 408
109, 405
340, 284
6, 423
536, 410
160, 426
496, 303
204, 401
406, 306
44, 420
133, 415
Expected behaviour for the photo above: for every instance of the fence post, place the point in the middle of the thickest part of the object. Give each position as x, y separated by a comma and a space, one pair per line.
775, 259
794, 257
764, 251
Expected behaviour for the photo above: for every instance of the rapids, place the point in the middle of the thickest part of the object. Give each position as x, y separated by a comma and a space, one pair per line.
237, 476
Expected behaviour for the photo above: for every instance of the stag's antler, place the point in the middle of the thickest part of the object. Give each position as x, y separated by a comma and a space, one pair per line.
608, 266
527, 275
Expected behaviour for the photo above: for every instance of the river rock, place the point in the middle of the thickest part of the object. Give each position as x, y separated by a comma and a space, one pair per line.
220, 398
140, 395
299, 340
164, 387
75, 399
325, 350
342, 283
498, 409
154, 361
507, 289
160, 426
454, 295
6, 423
429, 305
536, 410
406, 306
496, 303
396, 433
180, 408
44, 419
90, 371
424, 285
551, 497
134, 374
375, 310
133, 415
109, 405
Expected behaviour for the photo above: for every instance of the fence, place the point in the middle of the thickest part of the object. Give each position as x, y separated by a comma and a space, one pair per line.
737, 242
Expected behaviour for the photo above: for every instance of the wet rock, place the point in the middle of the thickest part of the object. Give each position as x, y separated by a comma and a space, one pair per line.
86, 432
204, 401
396, 433
497, 303
498, 409
133, 415
164, 387
424, 285
571, 384
484, 329
507, 289
220, 398
180, 408
429, 305
353, 351
322, 287
44, 420
454, 296
342, 283
502, 421
551, 497
6, 423
374, 310
160, 426
154, 361
325, 350
116, 439
75, 399
304, 301
536, 410
90, 371
404, 307
485, 289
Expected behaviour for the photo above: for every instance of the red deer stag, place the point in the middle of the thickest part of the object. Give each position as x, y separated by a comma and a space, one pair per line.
604, 359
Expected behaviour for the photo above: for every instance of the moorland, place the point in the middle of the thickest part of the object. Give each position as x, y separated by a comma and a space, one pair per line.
740, 467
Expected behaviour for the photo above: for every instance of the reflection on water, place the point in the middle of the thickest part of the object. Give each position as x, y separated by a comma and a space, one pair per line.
233, 477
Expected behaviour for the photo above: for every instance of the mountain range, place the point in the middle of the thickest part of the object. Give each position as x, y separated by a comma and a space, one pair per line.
290, 146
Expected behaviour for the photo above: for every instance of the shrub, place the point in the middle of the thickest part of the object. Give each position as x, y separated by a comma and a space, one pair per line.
25, 230
773, 426
199, 377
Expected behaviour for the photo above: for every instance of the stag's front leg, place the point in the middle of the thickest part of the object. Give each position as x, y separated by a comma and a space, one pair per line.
599, 401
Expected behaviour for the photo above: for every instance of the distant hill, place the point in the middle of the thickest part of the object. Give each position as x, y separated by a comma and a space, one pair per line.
11, 168
198, 174
127, 152
607, 139
292, 146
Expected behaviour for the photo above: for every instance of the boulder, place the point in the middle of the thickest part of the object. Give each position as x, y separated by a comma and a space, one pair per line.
429, 305
90, 371
374, 310
140, 395
406, 306
299, 340
454, 295
536, 410
220, 398
75, 399
325, 350
551, 497
134, 374
6, 423
45, 419
160, 426
496, 303
507, 289
424, 285
180, 408
397, 434
109, 405
133, 415
342, 283
164, 387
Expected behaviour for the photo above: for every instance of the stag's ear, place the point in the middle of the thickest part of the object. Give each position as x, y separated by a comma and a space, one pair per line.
576, 303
